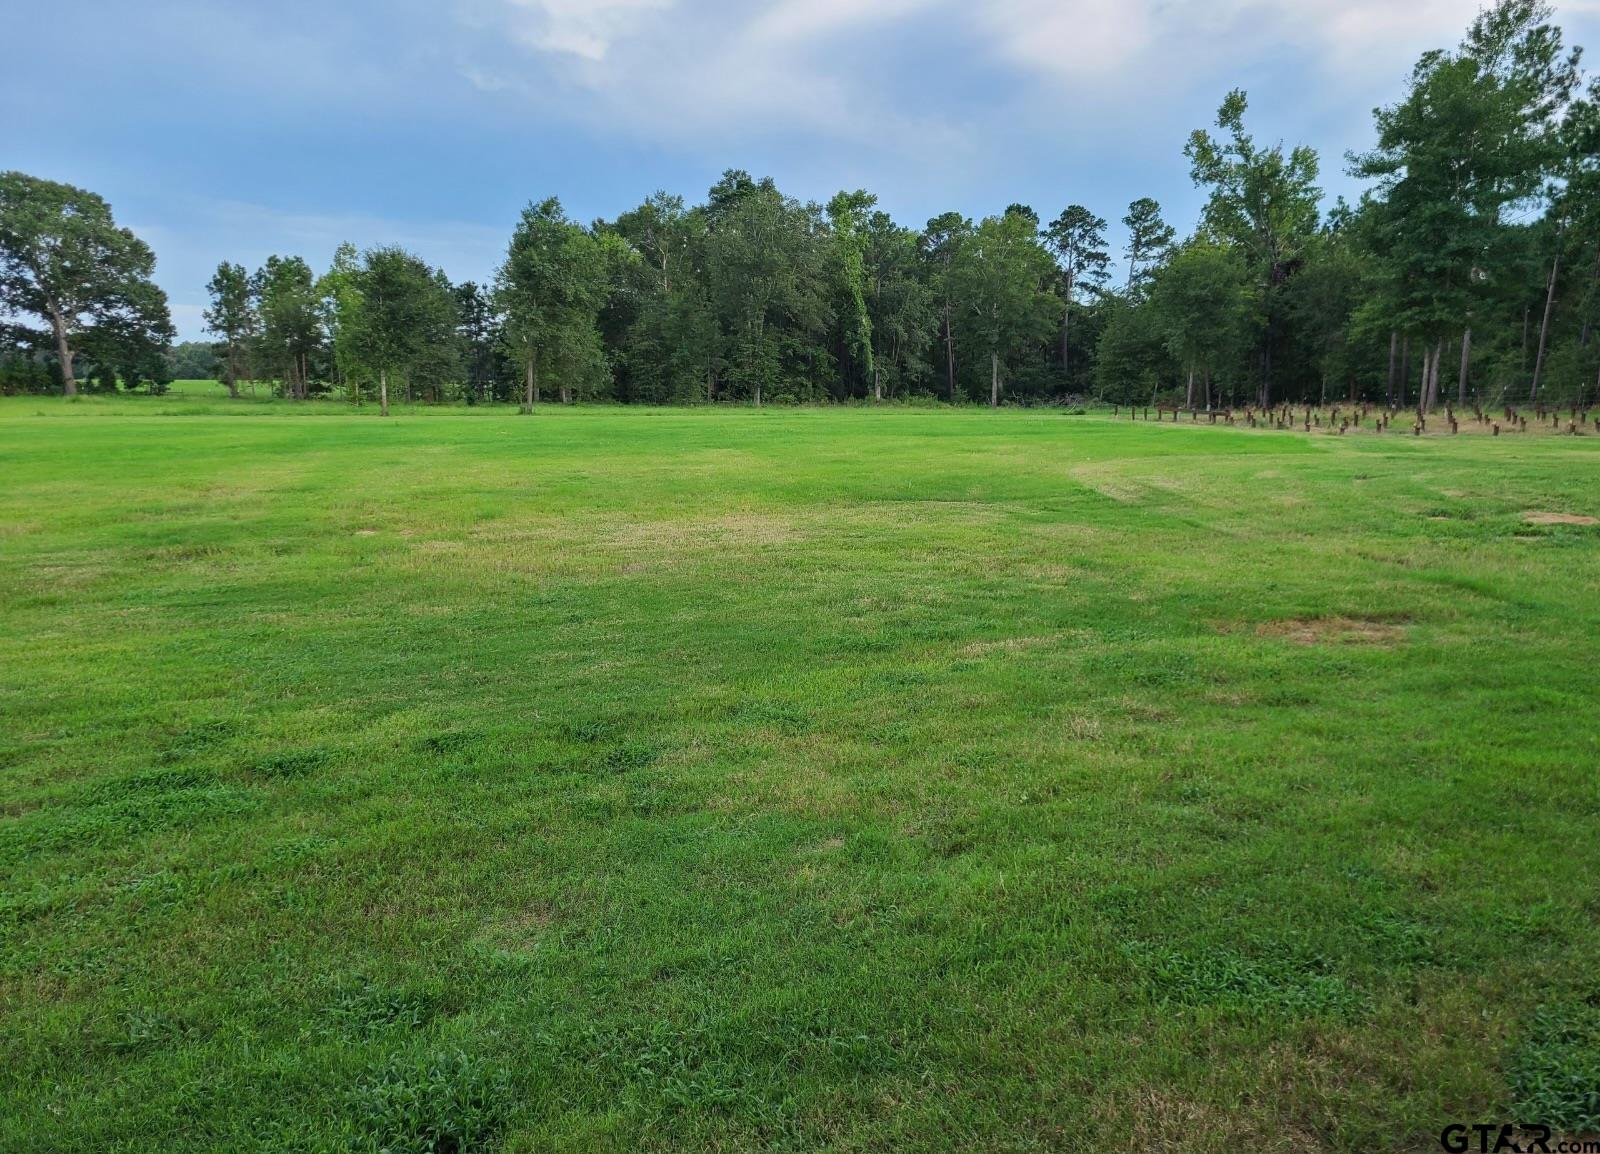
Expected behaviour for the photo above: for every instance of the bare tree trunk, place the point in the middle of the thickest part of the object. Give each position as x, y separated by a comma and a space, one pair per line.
383, 391
1188, 396
1594, 287
994, 380
949, 352
1466, 362
877, 383
1066, 331
1266, 366
1433, 383
758, 394
1544, 325
69, 383
1394, 368
528, 386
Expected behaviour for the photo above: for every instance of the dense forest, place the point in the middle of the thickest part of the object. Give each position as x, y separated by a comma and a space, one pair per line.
1470, 268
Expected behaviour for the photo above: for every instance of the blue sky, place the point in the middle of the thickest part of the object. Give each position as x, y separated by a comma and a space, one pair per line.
235, 130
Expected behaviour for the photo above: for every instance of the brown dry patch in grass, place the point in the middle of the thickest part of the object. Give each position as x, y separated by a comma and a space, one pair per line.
1149, 712
732, 530
1050, 574
59, 575
1082, 728
823, 847
1009, 645
1108, 485
1333, 631
822, 788
1159, 1118
1538, 518
518, 931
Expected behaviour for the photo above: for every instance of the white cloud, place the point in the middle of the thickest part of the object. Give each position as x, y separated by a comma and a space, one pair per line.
793, 23
582, 28
688, 71
1137, 42
854, 71
1078, 41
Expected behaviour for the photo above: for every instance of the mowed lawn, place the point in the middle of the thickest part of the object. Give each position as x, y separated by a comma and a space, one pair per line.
789, 779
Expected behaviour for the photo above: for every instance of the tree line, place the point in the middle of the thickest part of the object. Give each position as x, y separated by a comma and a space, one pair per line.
1474, 252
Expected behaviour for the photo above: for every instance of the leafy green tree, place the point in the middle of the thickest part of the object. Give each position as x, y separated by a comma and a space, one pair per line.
1078, 238
1001, 275
1149, 238
64, 261
900, 304
550, 290
847, 212
764, 264
291, 331
406, 313
941, 240
1202, 301
1131, 356
1262, 200
672, 349
338, 295
478, 331
437, 373
231, 316
1321, 302
1473, 137
1580, 195
193, 361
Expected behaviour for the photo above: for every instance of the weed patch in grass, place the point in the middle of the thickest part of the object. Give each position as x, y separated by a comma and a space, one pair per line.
431, 1103
1555, 1070
290, 764
1278, 983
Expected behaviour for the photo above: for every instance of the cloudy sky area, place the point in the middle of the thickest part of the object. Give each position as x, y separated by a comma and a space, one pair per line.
235, 130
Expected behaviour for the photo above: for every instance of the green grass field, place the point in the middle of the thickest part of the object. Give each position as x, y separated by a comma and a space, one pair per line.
806, 780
